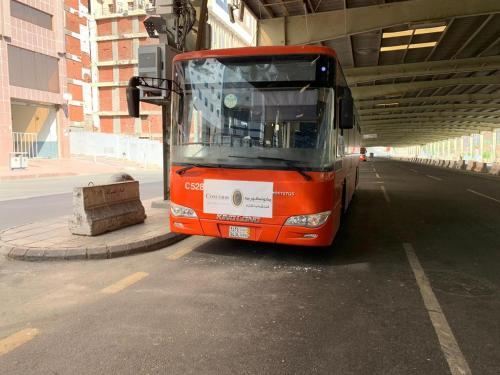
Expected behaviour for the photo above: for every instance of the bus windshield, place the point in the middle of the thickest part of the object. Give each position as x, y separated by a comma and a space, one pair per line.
254, 112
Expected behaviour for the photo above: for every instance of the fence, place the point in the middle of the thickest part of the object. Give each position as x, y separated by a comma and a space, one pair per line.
144, 151
26, 143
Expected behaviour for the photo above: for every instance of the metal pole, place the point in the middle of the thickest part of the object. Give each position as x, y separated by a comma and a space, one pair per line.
202, 22
165, 121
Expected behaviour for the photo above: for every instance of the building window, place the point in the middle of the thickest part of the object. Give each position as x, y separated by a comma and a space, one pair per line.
29, 14
33, 70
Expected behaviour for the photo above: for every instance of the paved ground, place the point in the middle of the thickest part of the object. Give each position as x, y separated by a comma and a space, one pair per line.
51, 239
18, 211
212, 306
76, 165
34, 188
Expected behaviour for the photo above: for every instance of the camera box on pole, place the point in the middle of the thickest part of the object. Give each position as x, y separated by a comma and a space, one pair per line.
155, 62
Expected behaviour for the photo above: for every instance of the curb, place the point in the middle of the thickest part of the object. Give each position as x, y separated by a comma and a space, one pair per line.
101, 252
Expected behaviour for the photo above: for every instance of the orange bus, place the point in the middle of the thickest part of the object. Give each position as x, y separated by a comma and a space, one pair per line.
265, 144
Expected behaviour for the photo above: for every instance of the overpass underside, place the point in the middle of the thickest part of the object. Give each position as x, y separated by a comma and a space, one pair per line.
424, 73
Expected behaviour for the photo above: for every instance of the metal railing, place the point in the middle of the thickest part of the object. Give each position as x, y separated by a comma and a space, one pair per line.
26, 143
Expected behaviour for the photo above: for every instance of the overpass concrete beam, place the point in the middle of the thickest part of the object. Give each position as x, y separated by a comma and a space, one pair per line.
367, 92
318, 27
367, 103
441, 114
476, 64
436, 107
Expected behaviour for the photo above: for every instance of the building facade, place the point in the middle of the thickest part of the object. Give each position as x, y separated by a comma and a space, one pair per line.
65, 65
119, 31
44, 74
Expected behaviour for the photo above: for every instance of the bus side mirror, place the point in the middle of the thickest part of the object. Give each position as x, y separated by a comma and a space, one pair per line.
133, 94
346, 113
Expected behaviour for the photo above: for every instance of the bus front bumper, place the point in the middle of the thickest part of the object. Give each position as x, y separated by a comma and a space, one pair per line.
291, 235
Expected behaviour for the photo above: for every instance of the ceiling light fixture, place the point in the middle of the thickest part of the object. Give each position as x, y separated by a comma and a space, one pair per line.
430, 30
422, 45
407, 46
414, 31
397, 34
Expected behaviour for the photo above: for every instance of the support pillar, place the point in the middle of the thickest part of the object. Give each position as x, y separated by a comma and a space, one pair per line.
494, 154
5, 112
165, 128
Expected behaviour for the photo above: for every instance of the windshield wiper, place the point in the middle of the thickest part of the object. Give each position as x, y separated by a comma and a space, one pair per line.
292, 164
191, 166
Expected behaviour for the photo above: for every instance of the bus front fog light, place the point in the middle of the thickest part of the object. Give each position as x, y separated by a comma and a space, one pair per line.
308, 221
181, 211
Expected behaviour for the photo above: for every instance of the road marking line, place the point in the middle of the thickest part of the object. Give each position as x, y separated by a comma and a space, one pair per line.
456, 360
186, 248
377, 175
124, 283
434, 178
386, 196
413, 170
483, 195
17, 339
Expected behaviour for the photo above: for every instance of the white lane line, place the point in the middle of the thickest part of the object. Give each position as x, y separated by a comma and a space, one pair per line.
386, 196
377, 175
374, 170
434, 177
413, 170
456, 360
483, 195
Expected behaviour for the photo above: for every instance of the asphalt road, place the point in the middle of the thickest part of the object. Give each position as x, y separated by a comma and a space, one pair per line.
26, 201
415, 264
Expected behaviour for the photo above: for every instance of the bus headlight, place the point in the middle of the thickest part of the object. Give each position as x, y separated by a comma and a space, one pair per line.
308, 221
181, 211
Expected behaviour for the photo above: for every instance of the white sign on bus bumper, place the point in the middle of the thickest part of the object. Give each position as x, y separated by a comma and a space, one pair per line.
244, 198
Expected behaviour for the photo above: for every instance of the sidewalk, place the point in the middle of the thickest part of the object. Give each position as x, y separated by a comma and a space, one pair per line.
51, 240
77, 165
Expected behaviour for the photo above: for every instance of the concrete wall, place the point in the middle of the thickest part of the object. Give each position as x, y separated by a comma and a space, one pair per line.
143, 151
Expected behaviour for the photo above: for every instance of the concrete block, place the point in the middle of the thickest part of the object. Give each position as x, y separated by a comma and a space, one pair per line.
104, 208
461, 164
495, 169
470, 165
480, 167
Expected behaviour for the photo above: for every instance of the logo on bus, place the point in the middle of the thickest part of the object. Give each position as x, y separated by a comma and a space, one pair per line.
237, 198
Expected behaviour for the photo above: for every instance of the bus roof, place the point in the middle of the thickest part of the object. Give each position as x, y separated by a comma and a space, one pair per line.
256, 51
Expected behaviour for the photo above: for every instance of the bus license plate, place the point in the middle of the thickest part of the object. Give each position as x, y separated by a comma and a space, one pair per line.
239, 232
